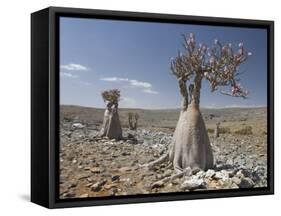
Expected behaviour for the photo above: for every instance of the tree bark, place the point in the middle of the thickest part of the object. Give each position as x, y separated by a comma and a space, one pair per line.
131, 126
190, 144
133, 121
111, 124
184, 94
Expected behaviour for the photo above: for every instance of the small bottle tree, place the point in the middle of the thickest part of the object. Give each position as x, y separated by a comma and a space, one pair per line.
130, 120
111, 126
136, 121
133, 120
217, 130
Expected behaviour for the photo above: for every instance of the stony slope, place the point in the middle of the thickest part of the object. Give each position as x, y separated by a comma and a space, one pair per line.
94, 166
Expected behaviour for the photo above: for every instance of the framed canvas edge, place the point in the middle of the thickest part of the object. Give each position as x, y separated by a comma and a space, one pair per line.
39, 164
53, 68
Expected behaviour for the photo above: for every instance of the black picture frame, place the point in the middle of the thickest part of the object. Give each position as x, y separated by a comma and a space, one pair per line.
45, 106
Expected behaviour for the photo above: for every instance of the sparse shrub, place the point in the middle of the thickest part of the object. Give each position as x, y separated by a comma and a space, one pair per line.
67, 119
210, 130
243, 119
224, 130
247, 130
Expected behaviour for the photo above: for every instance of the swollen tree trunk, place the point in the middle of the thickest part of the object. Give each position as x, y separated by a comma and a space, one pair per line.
111, 124
133, 121
190, 145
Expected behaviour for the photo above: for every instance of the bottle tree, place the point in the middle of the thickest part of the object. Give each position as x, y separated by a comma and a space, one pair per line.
217, 130
133, 120
111, 126
219, 65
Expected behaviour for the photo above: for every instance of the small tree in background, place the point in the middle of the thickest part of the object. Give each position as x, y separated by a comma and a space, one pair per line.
219, 65
133, 120
217, 130
111, 126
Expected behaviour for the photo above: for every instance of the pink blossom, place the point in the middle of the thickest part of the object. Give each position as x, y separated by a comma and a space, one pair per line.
234, 89
204, 47
212, 60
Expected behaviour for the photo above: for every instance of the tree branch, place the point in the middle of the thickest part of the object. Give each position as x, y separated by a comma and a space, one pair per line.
242, 95
220, 67
184, 93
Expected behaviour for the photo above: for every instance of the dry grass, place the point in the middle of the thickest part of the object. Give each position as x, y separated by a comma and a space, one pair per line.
247, 130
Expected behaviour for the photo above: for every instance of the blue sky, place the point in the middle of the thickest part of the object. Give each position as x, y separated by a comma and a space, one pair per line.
134, 57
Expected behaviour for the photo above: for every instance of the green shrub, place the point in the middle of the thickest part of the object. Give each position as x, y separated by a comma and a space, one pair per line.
223, 130
243, 119
247, 130
210, 130
67, 119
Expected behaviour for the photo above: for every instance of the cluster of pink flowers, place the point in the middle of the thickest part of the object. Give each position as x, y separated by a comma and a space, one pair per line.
234, 90
219, 64
237, 89
191, 40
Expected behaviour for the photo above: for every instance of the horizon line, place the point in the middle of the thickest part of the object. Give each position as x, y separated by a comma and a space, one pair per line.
202, 107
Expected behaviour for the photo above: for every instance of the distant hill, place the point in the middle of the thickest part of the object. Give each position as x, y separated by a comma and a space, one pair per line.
167, 118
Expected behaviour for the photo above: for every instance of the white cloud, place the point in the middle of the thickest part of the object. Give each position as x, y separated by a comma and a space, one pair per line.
68, 75
109, 79
140, 84
149, 91
85, 83
114, 79
146, 86
74, 67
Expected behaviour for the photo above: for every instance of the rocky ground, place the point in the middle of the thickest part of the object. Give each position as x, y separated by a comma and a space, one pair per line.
92, 166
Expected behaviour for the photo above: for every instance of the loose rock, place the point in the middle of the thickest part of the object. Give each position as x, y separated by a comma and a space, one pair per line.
246, 183
192, 184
